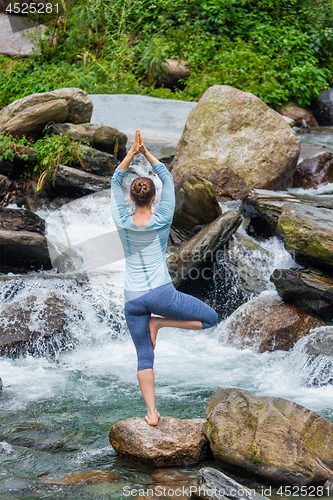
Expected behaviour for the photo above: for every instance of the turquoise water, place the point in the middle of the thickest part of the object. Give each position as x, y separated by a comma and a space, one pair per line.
58, 405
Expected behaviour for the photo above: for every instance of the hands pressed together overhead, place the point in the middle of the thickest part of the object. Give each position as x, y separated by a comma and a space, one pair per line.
138, 147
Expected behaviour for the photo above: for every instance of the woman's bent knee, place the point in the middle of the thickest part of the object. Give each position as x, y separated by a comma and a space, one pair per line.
211, 320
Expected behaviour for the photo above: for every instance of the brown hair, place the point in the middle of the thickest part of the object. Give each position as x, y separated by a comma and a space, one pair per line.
142, 191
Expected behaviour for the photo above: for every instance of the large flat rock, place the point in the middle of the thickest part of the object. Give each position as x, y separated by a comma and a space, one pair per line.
14, 43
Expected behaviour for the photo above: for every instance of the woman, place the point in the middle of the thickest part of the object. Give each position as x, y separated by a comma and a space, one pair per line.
148, 285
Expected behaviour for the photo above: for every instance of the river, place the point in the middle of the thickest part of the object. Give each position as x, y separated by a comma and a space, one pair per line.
58, 403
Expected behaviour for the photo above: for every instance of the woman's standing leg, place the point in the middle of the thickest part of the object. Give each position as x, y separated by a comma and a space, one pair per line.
137, 318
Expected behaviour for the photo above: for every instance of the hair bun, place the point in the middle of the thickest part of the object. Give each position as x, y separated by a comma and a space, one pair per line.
142, 190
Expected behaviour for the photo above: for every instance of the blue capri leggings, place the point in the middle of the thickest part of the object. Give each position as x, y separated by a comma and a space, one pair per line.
164, 301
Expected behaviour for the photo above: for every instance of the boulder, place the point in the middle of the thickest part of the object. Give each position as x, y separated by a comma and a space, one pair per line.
187, 260
23, 155
172, 442
313, 171
301, 116
15, 43
196, 203
77, 181
176, 70
267, 324
271, 439
323, 109
238, 143
25, 321
97, 162
215, 485
79, 105
23, 251
31, 121
314, 357
21, 220
100, 137
308, 289
6, 186
265, 208
308, 231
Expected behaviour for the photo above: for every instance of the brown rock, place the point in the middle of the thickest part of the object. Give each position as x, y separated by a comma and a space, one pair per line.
31, 121
267, 324
86, 477
238, 143
171, 443
272, 439
25, 320
196, 203
313, 171
20, 219
300, 115
79, 105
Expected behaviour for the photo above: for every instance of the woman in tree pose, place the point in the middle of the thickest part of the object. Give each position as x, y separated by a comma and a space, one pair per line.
148, 286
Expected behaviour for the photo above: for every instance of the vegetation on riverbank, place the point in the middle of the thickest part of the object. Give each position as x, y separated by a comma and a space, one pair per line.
280, 50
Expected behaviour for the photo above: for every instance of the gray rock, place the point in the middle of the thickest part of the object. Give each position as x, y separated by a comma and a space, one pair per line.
31, 121
100, 137
172, 442
324, 110
79, 105
97, 162
20, 219
301, 116
13, 44
1, 384
22, 251
215, 485
82, 183
271, 439
238, 142
308, 289
202, 247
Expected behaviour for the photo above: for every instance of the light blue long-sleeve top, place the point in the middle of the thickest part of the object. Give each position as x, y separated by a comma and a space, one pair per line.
144, 247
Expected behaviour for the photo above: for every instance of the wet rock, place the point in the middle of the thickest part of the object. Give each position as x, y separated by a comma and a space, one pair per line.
267, 206
313, 171
308, 231
314, 357
172, 442
31, 121
227, 131
301, 116
172, 483
77, 182
100, 137
97, 162
308, 289
196, 203
1, 384
79, 105
27, 322
186, 261
215, 485
6, 186
23, 251
267, 324
20, 219
281, 442
323, 110
23, 156
85, 477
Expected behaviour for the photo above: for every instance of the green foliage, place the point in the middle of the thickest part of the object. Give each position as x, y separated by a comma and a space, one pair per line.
52, 151
280, 50
10, 146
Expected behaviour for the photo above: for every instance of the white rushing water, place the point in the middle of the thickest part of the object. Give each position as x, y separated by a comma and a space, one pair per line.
78, 393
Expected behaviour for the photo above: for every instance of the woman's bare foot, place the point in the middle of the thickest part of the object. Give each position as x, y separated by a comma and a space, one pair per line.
154, 326
152, 419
